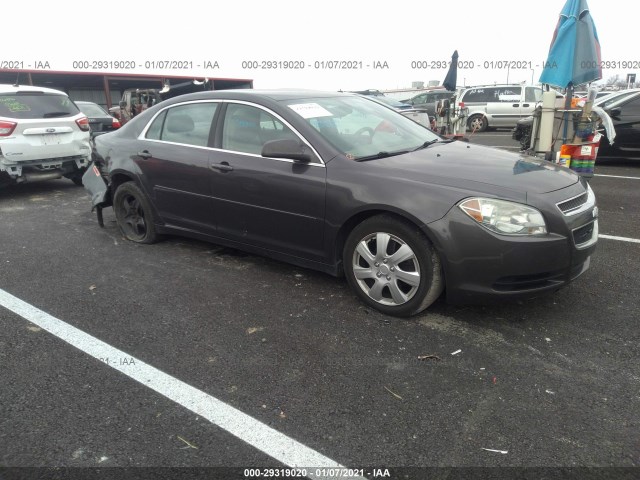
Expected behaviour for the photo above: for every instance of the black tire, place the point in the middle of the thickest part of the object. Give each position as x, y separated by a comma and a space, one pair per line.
134, 214
77, 179
386, 280
477, 123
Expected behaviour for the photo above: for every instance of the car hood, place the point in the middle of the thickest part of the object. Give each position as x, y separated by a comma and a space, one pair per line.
475, 167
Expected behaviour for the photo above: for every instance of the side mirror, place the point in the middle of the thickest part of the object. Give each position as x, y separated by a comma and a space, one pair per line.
289, 149
123, 104
615, 112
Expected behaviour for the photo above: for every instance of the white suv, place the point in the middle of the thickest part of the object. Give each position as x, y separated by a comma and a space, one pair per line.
43, 135
498, 105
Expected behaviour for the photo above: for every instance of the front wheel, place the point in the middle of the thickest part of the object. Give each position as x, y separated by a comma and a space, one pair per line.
392, 266
134, 214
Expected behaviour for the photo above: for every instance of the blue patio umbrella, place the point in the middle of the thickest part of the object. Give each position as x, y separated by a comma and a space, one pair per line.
574, 55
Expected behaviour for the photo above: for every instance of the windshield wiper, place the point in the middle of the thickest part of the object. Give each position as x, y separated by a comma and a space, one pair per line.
426, 144
431, 142
55, 114
378, 155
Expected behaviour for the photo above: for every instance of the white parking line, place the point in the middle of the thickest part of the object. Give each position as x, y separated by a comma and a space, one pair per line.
621, 239
616, 176
275, 444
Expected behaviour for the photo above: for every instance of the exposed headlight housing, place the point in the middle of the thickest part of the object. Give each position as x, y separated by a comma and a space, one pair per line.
505, 218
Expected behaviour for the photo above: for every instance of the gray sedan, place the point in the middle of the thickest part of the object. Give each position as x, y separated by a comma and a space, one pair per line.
337, 183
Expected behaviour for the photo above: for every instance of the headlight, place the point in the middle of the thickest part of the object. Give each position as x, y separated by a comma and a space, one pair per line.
506, 218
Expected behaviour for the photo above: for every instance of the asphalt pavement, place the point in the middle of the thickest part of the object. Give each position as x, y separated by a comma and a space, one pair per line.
552, 382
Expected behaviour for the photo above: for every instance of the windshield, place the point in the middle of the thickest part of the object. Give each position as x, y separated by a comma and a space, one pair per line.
359, 128
614, 98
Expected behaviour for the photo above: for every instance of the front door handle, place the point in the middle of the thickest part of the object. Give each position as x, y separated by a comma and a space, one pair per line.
525, 104
223, 167
144, 154
516, 105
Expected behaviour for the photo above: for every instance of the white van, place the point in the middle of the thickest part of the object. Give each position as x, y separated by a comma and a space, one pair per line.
498, 105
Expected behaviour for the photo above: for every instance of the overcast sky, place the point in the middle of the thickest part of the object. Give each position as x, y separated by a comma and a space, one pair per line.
312, 34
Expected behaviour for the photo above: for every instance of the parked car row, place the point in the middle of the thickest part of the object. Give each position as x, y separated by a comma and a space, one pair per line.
489, 106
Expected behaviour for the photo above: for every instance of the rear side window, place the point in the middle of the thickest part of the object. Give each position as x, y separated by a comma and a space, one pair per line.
188, 124
479, 95
493, 94
30, 105
507, 94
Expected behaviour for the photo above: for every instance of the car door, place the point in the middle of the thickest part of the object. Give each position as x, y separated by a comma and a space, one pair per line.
174, 160
504, 106
277, 204
626, 121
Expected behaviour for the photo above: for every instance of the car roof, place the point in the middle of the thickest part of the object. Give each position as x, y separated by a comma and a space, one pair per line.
265, 97
618, 93
6, 88
275, 94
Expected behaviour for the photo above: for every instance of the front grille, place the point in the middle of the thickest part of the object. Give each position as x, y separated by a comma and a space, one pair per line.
572, 204
583, 234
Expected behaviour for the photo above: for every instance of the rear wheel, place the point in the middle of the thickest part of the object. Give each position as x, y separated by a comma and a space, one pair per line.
478, 123
134, 214
392, 266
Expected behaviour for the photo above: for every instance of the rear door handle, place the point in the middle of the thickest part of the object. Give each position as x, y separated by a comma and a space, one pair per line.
223, 167
144, 154
516, 105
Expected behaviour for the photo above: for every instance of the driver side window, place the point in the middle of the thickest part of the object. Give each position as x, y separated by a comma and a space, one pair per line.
246, 129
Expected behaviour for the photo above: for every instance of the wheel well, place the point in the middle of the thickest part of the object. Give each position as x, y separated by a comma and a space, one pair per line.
357, 219
352, 222
117, 179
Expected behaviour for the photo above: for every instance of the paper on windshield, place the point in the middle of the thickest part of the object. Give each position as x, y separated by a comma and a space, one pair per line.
310, 110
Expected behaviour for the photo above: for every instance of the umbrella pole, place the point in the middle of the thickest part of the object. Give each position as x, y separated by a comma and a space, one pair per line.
567, 107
